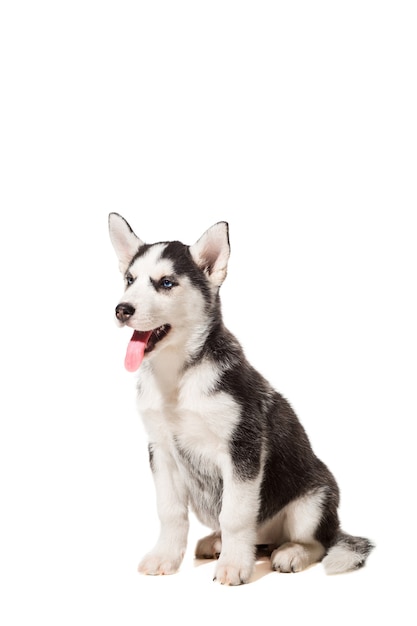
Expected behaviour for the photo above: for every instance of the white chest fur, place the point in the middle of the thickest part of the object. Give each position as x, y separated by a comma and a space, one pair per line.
187, 408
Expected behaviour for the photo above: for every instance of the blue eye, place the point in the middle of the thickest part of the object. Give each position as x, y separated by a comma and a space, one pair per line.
163, 284
166, 283
129, 280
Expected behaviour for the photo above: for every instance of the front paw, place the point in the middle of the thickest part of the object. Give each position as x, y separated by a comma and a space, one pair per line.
158, 564
233, 573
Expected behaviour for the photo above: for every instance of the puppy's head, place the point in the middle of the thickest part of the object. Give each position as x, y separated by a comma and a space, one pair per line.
170, 288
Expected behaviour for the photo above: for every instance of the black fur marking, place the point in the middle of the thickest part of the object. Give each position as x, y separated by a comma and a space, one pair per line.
329, 525
291, 468
159, 285
142, 250
268, 423
151, 460
246, 441
184, 264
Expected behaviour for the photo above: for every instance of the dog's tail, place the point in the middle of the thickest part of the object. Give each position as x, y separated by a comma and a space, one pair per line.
347, 554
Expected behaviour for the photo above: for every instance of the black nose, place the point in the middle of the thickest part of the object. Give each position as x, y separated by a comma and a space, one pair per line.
124, 311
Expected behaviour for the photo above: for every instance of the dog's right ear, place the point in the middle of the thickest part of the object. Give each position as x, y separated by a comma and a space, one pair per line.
124, 240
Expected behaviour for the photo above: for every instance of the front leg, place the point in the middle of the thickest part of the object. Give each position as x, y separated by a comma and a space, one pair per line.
238, 521
172, 506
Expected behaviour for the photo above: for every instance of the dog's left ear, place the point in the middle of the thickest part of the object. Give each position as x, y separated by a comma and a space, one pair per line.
124, 240
211, 252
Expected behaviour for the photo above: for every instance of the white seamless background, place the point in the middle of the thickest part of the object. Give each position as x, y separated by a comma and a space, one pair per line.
293, 121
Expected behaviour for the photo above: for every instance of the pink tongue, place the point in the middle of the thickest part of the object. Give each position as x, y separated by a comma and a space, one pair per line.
136, 350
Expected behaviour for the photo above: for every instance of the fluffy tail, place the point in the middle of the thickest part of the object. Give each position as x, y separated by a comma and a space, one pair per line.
347, 554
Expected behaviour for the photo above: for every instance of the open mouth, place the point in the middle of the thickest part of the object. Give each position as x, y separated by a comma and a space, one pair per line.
156, 335
141, 343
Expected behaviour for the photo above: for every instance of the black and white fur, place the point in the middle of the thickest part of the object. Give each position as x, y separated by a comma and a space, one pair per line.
222, 441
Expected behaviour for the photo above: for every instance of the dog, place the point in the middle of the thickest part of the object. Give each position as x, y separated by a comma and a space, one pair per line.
222, 441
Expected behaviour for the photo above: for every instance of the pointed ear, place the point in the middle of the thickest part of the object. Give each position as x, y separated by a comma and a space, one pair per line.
124, 240
211, 252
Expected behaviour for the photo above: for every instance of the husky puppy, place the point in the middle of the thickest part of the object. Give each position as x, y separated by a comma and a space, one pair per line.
222, 441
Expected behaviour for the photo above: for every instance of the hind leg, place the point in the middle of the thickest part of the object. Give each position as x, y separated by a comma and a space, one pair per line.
300, 520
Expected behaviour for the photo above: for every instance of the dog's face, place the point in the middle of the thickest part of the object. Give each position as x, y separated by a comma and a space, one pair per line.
170, 288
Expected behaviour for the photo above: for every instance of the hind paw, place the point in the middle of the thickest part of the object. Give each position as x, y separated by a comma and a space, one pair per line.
209, 547
290, 557
295, 557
